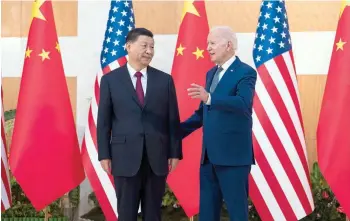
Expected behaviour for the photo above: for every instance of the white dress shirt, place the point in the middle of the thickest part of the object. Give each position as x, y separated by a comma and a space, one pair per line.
225, 66
134, 78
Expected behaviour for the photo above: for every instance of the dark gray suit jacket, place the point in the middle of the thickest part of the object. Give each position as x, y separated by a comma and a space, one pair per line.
123, 125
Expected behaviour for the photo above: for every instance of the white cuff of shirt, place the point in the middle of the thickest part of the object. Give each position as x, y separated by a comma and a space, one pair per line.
208, 101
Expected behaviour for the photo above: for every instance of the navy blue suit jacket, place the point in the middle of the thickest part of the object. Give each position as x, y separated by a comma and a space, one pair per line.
227, 122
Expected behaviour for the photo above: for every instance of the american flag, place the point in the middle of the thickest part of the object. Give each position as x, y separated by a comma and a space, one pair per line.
6, 199
113, 55
280, 183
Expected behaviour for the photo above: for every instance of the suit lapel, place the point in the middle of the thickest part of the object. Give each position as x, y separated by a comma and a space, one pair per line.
229, 76
151, 82
128, 84
210, 78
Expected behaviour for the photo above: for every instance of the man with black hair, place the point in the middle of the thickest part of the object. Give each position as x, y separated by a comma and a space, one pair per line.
138, 126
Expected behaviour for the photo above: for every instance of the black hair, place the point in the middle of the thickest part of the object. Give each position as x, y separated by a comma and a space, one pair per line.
134, 34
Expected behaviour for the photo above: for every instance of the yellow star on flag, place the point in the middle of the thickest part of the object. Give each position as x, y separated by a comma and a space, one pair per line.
180, 50
44, 55
198, 53
189, 8
340, 45
58, 47
36, 13
28, 51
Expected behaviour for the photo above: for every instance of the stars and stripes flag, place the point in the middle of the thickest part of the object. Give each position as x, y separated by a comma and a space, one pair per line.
280, 182
6, 199
113, 55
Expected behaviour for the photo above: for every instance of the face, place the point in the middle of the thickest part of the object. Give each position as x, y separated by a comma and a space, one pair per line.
141, 51
218, 47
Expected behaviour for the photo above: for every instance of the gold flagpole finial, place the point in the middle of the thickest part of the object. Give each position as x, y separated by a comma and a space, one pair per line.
343, 5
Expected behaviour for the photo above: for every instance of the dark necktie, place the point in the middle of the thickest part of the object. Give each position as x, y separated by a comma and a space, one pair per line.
215, 81
139, 90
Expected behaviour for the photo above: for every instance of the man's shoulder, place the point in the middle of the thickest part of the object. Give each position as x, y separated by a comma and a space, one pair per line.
114, 73
211, 70
158, 72
246, 68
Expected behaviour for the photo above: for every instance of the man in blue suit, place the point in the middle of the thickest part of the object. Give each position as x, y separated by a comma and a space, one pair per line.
225, 112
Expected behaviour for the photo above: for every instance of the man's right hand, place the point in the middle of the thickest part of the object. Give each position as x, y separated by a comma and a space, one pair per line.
106, 165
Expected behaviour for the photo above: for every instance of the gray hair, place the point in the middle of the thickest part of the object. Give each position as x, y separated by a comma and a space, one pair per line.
228, 34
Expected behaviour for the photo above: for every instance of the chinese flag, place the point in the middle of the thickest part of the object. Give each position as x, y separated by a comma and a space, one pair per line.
333, 133
44, 155
190, 65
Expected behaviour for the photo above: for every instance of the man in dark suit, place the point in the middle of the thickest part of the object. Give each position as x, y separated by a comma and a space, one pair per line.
225, 113
138, 129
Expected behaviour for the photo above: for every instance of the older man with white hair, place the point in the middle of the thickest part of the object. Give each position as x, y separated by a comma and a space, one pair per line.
225, 112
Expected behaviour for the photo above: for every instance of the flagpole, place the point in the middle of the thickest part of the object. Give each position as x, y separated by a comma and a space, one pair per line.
191, 218
46, 214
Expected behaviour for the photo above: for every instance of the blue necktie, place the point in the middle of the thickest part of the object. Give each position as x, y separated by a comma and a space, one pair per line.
215, 81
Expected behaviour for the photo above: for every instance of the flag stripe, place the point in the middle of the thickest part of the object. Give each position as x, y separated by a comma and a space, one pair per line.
291, 55
290, 102
290, 76
256, 196
268, 198
4, 153
6, 198
282, 99
92, 128
98, 77
281, 157
5, 177
285, 117
97, 91
279, 164
264, 104
97, 186
289, 61
106, 70
102, 176
272, 180
94, 111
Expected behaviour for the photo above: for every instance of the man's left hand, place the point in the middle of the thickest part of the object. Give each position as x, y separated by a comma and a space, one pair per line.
172, 164
198, 92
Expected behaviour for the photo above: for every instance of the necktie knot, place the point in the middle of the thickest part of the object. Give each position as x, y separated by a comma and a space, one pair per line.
138, 74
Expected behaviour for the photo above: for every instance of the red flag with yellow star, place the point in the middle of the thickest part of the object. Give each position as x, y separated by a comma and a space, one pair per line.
190, 65
44, 155
333, 133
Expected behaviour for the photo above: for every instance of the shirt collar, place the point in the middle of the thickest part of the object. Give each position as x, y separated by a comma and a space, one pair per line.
132, 71
228, 63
